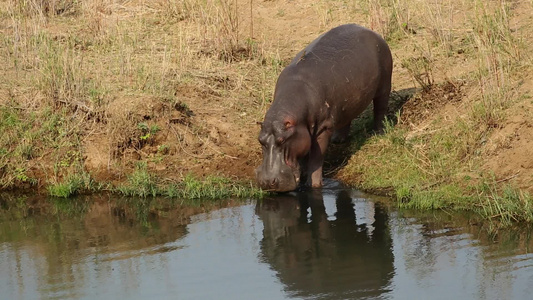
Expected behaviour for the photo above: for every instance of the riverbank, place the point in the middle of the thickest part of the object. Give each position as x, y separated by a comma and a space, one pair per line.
97, 93
463, 140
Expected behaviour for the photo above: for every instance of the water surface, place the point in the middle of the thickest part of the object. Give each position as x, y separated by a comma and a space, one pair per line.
331, 244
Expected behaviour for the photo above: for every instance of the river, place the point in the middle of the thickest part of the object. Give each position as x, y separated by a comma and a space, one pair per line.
334, 243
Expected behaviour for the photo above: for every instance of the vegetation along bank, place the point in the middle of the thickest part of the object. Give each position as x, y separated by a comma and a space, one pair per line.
162, 97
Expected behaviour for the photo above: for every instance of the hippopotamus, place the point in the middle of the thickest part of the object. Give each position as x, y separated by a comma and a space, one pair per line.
325, 86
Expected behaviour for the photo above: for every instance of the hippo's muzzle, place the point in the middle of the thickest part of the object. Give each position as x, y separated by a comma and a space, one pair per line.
275, 175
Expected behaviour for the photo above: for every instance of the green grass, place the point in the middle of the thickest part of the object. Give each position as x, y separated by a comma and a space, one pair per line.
72, 185
507, 204
142, 183
27, 135
431, 173
437, 169
211, 187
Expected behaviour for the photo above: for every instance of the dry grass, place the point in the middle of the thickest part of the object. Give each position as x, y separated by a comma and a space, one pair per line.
111, 69
113, 65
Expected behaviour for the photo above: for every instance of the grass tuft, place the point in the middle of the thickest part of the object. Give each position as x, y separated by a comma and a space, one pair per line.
142, 183
72, 185
212, 187
506, 205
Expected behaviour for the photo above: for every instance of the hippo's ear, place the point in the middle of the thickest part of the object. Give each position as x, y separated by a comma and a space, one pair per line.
259, 123
289, 123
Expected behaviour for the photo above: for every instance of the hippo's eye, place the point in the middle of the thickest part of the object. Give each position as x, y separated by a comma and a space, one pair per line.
280, 140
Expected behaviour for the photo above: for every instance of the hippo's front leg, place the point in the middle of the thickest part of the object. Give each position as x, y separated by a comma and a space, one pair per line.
316, 158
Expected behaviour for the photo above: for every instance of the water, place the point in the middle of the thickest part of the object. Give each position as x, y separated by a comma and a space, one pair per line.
334, 244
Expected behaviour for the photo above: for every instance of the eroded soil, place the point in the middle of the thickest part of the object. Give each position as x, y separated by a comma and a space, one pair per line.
206, 121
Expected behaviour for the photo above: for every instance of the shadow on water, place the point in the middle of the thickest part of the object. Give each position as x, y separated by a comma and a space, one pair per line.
341, 256
361, 130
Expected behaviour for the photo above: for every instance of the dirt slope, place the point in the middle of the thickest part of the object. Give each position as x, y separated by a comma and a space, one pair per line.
185, 83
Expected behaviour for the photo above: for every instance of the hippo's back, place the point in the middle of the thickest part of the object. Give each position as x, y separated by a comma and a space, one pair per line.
347, 62
342, 42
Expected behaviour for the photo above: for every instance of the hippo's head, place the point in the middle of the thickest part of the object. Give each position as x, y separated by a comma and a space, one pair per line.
284, 141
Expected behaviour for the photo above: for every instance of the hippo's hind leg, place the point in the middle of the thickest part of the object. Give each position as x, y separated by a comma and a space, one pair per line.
340, 136
381, 106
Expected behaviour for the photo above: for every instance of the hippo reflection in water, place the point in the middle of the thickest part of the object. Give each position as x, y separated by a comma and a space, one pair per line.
317, 257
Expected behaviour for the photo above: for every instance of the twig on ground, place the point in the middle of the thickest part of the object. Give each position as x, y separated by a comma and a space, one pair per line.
508, 178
